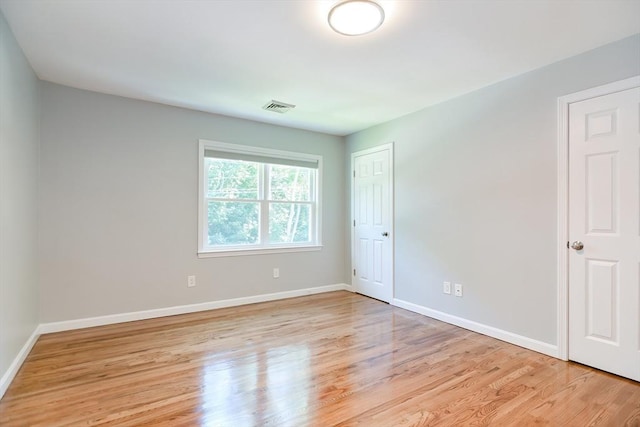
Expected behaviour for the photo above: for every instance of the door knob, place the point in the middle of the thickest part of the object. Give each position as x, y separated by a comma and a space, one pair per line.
385, 234
577, 245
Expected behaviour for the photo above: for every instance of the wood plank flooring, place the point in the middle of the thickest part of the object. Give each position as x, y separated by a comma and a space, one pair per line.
334, 359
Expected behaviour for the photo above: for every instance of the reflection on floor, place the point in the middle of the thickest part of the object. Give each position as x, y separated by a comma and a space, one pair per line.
322, 360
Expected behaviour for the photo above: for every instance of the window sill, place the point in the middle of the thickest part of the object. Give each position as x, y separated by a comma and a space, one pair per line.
260, 251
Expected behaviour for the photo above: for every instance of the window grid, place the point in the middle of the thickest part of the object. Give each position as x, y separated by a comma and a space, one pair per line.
266, 202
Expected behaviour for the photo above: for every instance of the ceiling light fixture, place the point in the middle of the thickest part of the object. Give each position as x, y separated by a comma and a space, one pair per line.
356, 17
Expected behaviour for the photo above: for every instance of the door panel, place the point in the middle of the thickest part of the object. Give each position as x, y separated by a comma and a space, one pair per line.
602, 197
602, 302
373, 257
604, 214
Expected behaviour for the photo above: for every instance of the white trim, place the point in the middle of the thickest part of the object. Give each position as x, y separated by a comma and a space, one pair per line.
319, 212
68, 325
89, 322
563, 199
383, 147
510, 337
203, 252
201, 205
249, 149
13, 369
262, 251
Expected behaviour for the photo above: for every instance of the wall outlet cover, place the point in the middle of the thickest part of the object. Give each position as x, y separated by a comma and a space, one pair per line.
446, 288
191, 281
458, 290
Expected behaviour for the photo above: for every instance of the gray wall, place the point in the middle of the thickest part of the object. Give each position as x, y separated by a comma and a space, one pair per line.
19, 135
475, 201
118, 208
475, 188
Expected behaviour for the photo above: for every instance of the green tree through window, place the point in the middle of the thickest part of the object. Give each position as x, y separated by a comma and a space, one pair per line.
250, 203
233, 212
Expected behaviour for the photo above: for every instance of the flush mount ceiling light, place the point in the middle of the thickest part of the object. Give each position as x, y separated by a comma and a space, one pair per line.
356, 17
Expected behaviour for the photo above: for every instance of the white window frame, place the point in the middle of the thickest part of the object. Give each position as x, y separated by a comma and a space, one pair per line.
205, 251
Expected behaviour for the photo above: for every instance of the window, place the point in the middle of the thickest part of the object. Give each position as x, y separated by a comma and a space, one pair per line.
255, 200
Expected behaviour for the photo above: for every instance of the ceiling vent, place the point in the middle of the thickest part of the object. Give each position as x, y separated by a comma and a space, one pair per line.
278, 107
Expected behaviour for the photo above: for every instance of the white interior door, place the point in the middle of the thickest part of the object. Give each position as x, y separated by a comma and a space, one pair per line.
372, 223
604, 232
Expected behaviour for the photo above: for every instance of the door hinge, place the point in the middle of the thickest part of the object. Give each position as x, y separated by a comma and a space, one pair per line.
354, 174
354, 224
567, 244
354, 271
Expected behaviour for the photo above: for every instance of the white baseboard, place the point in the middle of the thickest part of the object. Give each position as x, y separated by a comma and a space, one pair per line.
10, 374
67, 325
519, 340
44, 328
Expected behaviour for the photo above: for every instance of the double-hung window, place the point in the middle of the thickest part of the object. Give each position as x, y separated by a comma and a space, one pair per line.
255, 200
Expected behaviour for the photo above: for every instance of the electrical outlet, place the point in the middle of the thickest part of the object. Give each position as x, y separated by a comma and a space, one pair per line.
458, 290
276, 273
446, 288
191, 281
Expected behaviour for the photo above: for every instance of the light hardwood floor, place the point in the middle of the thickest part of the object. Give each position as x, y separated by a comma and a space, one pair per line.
323, 360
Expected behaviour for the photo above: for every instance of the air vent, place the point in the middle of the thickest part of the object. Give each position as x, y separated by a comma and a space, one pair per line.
278, 107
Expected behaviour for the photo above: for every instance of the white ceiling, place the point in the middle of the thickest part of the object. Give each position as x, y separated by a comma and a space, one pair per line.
233, 56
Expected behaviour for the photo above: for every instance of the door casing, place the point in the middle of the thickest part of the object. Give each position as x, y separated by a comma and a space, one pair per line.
563, 201
375, 149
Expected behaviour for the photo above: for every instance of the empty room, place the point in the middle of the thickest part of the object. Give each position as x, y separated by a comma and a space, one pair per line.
320, 213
